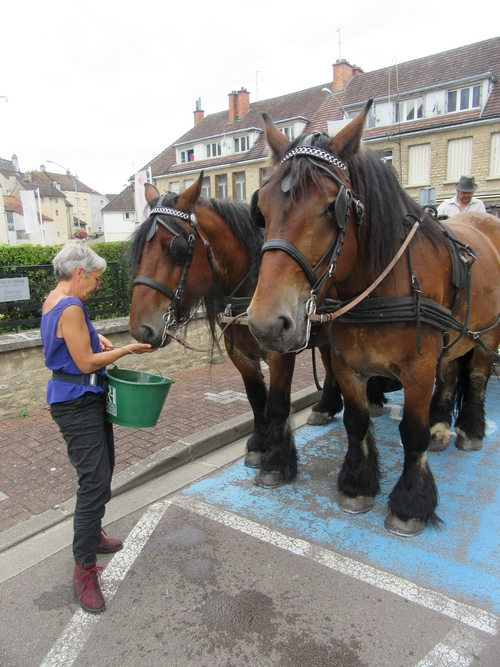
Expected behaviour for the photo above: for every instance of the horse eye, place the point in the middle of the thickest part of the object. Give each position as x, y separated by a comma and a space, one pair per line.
330, 209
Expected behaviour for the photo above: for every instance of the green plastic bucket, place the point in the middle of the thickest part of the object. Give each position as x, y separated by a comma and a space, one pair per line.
135, 398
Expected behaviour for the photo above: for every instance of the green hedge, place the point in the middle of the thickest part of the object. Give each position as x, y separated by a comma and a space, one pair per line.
42, 281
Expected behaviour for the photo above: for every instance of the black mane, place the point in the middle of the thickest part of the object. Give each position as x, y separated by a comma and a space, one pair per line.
237, 216
375, 182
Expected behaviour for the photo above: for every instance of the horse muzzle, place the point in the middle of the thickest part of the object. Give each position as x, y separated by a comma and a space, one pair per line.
279, 331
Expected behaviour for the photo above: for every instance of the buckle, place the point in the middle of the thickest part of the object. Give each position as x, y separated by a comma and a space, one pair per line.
93, 379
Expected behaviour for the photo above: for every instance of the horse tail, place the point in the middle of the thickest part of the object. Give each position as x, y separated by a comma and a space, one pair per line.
461, 392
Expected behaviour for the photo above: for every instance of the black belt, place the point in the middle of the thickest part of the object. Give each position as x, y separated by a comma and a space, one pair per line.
90, 379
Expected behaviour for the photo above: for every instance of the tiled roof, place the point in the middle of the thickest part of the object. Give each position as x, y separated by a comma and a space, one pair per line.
122, 202
65, 181
442, 69
48, 190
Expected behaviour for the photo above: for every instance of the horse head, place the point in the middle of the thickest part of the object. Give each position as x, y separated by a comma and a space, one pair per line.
162, 250
310, 215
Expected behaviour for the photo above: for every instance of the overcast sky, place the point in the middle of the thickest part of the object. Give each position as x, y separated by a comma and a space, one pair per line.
103, 87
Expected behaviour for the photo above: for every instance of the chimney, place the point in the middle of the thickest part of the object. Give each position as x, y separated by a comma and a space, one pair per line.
15, 162
243, 102
42, 167
233, 97
199, 114
342, 73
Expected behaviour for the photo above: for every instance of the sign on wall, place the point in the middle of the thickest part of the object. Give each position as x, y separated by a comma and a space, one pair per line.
14, 289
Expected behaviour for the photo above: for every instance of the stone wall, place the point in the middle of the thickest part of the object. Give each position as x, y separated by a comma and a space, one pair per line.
24, 375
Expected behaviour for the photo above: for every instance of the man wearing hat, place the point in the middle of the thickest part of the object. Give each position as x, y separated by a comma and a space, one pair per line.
463, 200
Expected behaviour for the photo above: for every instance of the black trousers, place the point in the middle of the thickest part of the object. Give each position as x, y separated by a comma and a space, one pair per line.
91, 449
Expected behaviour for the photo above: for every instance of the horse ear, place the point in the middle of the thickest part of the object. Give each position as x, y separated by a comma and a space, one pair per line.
348, 140
189, 198
276, 140
151, 192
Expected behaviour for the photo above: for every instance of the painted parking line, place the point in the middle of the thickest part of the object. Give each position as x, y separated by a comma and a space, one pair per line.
460, 560
72, 640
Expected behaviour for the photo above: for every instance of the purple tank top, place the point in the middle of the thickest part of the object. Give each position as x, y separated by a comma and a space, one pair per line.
57, 356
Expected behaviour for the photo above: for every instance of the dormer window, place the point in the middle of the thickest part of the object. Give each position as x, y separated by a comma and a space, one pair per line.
409, 110
464, 98
212, 150
241, 144
187, 155
288, 132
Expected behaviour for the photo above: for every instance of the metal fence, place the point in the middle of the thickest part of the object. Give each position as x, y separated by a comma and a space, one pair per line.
111, 300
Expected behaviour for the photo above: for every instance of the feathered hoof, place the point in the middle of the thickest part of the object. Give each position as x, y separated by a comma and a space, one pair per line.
253, 459
468, 444
438, 444
319, 418
357, 505
375, 410
408, 528
269, 479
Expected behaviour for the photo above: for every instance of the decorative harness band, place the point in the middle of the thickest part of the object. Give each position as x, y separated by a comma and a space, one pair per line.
319, 153
175, 212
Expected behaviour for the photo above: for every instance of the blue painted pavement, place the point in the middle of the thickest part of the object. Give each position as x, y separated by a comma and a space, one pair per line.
461, 560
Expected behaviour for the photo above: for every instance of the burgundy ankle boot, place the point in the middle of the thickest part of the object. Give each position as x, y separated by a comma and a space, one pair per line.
108, 545
86, 585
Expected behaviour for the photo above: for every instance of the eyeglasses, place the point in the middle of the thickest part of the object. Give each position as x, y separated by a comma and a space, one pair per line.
97, 278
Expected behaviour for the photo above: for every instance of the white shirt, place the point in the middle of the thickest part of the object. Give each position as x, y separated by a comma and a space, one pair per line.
450, 206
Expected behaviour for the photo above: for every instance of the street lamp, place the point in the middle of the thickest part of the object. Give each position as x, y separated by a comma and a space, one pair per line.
327, 90
74, 183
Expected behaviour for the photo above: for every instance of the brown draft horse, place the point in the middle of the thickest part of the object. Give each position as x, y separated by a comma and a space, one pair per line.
191, 249
331, 206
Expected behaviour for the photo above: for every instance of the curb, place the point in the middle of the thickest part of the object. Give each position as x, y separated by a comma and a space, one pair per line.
171, 457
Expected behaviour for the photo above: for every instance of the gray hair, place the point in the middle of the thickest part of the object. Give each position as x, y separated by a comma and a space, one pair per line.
74, 255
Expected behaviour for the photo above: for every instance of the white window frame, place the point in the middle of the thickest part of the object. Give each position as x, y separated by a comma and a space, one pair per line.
242, 144
240, 186
405, 108
222, 186
175, 186
205, 187
459, 160
456, 98
213, 150
289, 132
419, 164
495, 155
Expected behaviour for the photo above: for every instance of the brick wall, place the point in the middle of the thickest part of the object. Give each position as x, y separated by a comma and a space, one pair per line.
24, 374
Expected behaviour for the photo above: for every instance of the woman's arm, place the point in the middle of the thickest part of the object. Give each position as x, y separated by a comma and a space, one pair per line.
73, 328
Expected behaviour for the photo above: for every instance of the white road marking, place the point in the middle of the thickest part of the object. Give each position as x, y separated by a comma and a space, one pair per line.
66, 649
460, 648
466, 614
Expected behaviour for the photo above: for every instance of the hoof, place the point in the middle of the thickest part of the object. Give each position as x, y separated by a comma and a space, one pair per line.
408, 528
253, 459
269, 479
468, 444
319, 418
438, 444
375, 410
357, 505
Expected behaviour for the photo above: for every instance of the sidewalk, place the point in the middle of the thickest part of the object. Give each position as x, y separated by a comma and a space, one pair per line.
206, 408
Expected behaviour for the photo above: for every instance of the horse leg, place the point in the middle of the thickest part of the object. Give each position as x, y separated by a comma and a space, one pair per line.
279, 463
359, 477
470, 424
442, 403
413, 500
331, 402
248, 364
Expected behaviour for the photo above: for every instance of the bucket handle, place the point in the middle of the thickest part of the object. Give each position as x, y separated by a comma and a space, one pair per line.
121, 347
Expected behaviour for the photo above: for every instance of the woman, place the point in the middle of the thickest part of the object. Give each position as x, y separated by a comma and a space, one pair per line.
77, 356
